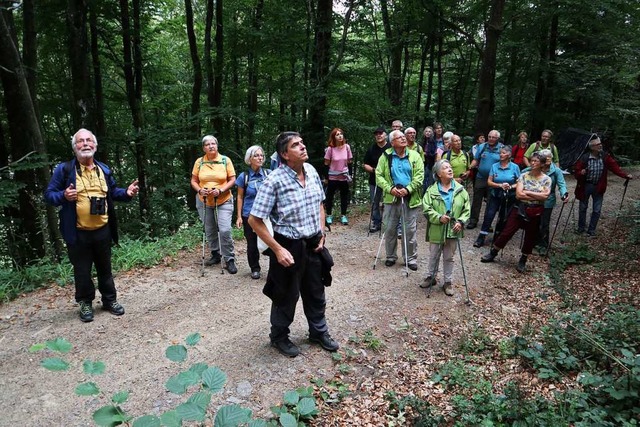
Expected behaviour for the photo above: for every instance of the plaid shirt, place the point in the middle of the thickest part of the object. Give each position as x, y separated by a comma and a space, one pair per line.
294, 210
595, 169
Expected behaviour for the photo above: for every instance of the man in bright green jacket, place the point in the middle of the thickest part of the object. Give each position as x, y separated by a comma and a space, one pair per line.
446, 207
399, 175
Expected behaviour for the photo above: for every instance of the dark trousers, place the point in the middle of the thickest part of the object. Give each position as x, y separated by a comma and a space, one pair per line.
253, 256
288, 284
545, 221
500, 205
480, 191
92, 247
332, 187
516, 222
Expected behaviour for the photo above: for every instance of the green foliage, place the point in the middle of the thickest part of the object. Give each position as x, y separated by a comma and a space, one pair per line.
331, 391
475, 341
298, 406
369, 340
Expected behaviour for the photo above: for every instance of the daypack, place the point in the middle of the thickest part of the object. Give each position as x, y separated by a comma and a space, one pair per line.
266, 173
466, 155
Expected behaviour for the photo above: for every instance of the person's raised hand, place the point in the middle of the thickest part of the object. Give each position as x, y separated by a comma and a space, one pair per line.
70, 193
133, 188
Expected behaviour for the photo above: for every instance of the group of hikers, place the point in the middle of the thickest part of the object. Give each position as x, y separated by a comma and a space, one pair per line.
284, 209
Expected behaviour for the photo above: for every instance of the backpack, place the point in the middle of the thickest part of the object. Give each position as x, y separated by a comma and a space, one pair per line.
447, 154
266, 173
212, 162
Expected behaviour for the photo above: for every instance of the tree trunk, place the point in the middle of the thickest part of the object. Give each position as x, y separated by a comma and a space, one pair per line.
78, 51
486, 83
423, 62
427, 104
546, 77
100, 122
440, 79
217, 84
253, 64
208, 63
394, 46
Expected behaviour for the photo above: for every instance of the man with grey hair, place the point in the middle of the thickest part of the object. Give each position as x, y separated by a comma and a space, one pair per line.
410, 134
486, 155
399, 175
85, 190
591, 172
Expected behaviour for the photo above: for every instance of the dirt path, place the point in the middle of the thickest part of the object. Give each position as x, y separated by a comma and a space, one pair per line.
166, 303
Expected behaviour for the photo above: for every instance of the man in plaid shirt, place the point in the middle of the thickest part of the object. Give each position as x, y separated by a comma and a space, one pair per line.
291, 197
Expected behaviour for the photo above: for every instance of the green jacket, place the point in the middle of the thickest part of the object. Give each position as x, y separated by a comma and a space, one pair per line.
384, 181
433, 207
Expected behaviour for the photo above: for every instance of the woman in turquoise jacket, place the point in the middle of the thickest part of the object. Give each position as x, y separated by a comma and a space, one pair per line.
446, 207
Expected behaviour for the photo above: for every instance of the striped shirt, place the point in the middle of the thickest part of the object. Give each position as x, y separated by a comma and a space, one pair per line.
294, 210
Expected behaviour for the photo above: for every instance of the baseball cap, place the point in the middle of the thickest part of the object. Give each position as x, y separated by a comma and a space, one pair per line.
379, 130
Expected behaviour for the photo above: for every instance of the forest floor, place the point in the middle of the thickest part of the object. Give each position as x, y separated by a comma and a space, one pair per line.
392, 334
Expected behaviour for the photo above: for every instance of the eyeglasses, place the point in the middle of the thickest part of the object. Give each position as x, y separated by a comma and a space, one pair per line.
258, 155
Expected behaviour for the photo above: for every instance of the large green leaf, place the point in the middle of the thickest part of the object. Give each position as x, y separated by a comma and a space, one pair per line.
307, 407
291, 397
190, 411
93, 368
202, 399
232, 416
199, 368
37, 347
107, 416
214, 379
176, 385
60, 345
288, 420
54, 364
171, 419
176, 353
120, 397
193, 339
189, 377
257, 423
147, 421
87, 389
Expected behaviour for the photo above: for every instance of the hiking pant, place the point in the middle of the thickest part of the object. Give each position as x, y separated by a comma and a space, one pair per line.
448, 251
391, 219
590, 191
224, 212
332, 187
480, 192
515, 222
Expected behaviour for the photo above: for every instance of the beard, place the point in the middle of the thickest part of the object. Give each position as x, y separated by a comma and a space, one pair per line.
85, 154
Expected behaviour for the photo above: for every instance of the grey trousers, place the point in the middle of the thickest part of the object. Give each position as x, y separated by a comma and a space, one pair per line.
224, 213
391, 218
448, 251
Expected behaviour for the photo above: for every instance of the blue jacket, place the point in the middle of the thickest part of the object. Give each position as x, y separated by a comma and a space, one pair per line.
54, 195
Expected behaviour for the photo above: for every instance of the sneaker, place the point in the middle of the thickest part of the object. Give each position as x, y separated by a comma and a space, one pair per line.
344, 220
493, 253
325, 342
231, 267
522, 264
255, 274
471, 225
591, 234
286, 347
413, 267
448, 289
215, 259
389, 262
86, 311
113, 307
428, 282
479, 241
329, 219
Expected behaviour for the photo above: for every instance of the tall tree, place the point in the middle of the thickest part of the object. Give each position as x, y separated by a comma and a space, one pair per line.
253, 65
78, 54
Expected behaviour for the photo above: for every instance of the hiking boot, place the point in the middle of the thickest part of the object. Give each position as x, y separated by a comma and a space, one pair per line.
479, 241
374, 228
413, 267
215, 259
255, 274
471, 225
325, 341
389, 262
113, 307
448, 289
522, 264
86, 311
329, 219
428, 282
286, 347
344, 220
493, 253
231, 267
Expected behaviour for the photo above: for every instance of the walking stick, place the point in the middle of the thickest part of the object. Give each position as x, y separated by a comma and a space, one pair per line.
204, 233
215, 218
435, 265
464, 274
624, 193
554, 231
573, 202
378, 253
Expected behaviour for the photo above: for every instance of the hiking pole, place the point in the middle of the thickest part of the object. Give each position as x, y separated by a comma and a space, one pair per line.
215, 218
204, 233
464, 274
554, 230
432, 282
373, 202
573, 203
404, 236
624, 193
378, 253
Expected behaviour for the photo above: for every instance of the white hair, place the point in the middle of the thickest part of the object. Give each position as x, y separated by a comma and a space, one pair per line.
250, 152
73, 138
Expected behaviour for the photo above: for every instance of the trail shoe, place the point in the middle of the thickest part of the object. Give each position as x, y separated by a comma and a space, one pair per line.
329, 219
344, 220
374, 228
413, 267
522, 264
325, 341
113, 307
448, 289
86, 311
286, 347
231, 266
493, 253
479, 241
428, 282
389, 262
215, 259
471, 225
591, 234
255, 274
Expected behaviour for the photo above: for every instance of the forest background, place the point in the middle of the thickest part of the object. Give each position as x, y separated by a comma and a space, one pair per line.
150, 78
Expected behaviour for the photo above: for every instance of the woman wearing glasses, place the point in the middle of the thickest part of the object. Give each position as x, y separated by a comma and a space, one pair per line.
248, 184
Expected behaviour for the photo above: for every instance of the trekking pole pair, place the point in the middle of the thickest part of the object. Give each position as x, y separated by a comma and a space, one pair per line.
564, 197
404, 236
624, 193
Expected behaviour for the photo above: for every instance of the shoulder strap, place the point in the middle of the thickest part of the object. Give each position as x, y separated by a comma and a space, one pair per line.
66, 170
484, 147
448, 154
213, 162
266, 173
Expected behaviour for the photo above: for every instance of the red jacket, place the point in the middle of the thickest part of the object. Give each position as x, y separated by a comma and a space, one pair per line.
609, 165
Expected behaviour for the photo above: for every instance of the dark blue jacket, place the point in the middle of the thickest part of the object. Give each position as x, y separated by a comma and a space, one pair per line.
54, 195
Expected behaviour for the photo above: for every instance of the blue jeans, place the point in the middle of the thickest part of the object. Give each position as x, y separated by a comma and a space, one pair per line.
375, 195
496, 205
590, 191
